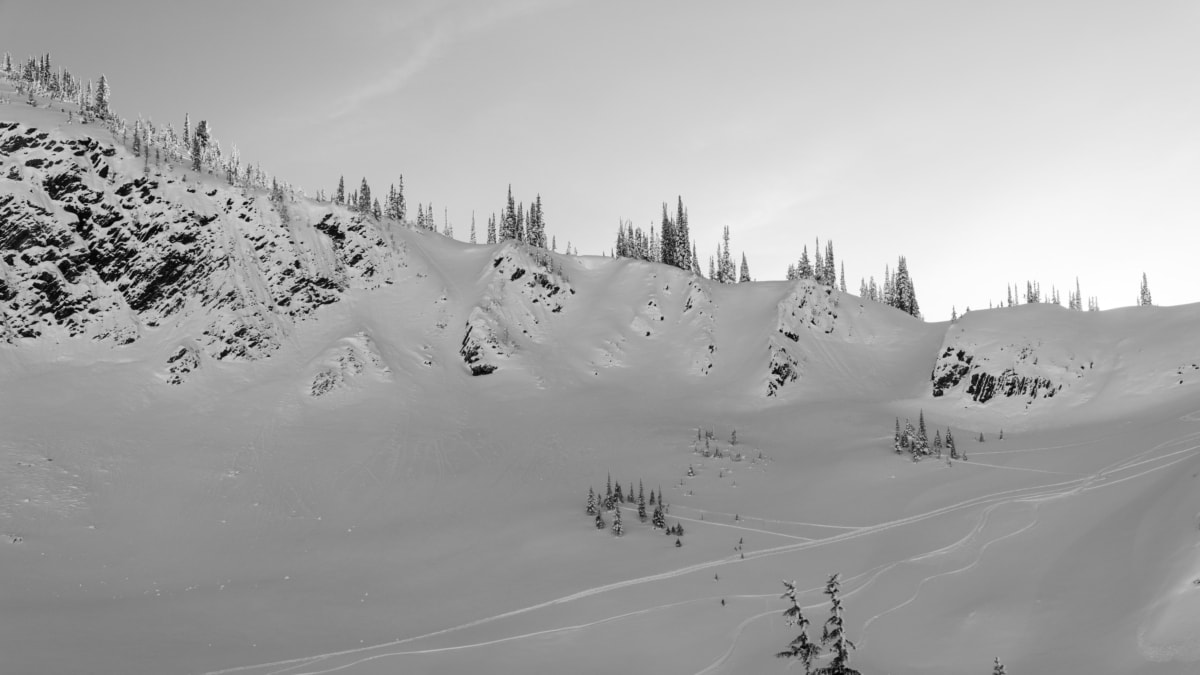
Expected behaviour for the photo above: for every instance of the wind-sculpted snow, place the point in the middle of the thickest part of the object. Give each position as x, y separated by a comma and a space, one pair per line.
97, 243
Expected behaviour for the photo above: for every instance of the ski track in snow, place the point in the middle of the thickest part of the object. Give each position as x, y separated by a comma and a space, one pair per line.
1110, 475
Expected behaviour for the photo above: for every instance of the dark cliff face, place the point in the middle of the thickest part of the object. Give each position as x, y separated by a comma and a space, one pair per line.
94, 245
956, 366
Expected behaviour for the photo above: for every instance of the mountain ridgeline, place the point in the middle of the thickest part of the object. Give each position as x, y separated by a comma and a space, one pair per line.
97, 245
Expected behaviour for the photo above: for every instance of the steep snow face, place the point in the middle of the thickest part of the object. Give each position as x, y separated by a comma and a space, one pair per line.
97, 243
521, 288
820, 324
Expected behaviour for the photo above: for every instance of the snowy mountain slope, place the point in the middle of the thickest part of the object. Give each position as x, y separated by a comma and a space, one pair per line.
299, 472
92, 245
1043, 357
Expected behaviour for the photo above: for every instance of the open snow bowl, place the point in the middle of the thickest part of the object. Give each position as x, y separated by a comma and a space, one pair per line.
325, 472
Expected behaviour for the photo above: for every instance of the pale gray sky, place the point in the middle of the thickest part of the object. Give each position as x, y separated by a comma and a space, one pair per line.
988, 142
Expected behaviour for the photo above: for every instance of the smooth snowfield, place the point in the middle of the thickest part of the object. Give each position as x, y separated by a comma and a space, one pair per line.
358, 503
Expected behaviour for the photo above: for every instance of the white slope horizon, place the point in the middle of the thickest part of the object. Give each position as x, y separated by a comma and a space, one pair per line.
357, 501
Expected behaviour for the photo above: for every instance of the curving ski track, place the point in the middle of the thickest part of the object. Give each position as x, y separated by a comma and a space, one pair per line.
1115, 473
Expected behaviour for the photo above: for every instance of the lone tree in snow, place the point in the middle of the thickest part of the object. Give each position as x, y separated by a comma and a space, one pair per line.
1144, 299
600, 524
591, 502
617, 529
998, 668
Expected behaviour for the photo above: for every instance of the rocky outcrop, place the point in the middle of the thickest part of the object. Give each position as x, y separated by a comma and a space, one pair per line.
985, 366
94, 243
347, 361
522, 287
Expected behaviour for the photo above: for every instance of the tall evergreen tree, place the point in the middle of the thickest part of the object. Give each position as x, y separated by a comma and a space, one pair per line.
998, 668
683, 245
1144, 298
833, 636
950, 447
670, 243
591, 502
744, 272
508, 226
103, 95
905, 294
804, 269
830, 266
842, 282
897, 441
725, 269
491, 231
818, 264
364, 196
800, 648
617, 528
197, 153
921, 447
473, 228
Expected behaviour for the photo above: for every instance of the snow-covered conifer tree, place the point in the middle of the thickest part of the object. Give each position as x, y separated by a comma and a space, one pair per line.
683, 244
921, 447
617, 529
591, 502
833, 636
898, 441
744, 272
830, 266
801, 648
364, 196
804, 269
950, 444
725, 269
600, 524
1144, 299
818, 264
998, 668
103, 95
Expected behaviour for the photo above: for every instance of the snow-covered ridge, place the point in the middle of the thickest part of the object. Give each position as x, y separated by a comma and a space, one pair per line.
1033, 353
97, 243
521, 288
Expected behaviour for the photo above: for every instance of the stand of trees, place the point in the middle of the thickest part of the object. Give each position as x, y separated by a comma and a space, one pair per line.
614, 496
916, 442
